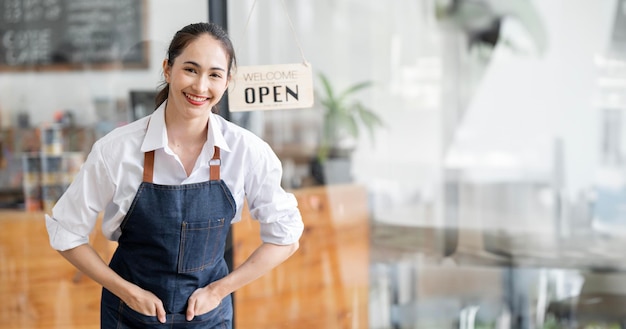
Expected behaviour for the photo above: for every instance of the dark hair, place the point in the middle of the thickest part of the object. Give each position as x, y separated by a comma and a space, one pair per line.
184, 37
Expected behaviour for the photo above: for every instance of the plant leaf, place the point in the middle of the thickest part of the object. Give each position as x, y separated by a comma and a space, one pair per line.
369, 119
328, 88
352, 127
353, 89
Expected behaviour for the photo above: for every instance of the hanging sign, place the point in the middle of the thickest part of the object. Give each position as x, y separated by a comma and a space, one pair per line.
271, 87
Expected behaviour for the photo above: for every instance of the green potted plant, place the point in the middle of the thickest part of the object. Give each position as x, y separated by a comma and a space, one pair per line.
344, 119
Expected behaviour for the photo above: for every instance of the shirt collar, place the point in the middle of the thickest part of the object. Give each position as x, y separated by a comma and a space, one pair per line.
156, 134
215, 134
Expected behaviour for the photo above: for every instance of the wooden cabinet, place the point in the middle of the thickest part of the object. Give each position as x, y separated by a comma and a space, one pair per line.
325, 283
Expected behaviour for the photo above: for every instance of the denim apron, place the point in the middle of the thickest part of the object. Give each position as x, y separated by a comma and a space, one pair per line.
172, 243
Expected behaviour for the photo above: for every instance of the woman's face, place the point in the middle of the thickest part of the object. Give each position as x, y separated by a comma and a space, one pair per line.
197, 78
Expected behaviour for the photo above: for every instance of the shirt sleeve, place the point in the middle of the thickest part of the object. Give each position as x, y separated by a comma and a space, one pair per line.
275, 209
75, 213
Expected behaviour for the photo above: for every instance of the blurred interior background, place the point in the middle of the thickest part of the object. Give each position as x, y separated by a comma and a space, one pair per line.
494, 180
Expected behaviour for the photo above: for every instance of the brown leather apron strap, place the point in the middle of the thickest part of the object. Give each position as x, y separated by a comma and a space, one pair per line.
148, 166
215, 163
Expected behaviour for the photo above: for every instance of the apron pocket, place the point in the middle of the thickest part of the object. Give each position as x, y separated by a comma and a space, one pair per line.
199, 244
125, 317
135, 318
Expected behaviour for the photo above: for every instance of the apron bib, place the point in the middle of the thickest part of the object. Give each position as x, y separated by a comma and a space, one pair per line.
172, 243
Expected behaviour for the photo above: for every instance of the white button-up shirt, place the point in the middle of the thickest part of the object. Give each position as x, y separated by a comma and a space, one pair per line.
113, 171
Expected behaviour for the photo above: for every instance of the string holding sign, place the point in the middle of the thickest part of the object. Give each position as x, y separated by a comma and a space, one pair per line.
272, 87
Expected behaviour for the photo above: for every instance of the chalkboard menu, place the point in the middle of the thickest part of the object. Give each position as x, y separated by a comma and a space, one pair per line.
72, 34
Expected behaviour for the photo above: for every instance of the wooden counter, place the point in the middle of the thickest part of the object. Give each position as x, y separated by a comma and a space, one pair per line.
324, 285
39, 288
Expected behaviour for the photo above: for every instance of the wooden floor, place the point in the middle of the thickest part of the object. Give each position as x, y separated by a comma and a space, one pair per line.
325, 285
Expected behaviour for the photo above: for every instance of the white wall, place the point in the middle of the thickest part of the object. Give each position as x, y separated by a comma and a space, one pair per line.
526, 101
42, 93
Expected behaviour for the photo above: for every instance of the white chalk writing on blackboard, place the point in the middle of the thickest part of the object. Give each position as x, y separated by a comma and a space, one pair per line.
71, 32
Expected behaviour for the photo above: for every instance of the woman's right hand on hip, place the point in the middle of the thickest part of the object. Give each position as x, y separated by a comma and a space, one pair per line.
146, 303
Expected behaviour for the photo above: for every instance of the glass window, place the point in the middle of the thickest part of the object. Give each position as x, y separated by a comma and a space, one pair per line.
494, 188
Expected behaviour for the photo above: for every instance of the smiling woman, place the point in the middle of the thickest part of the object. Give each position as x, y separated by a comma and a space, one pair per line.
196, 80
172, 183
